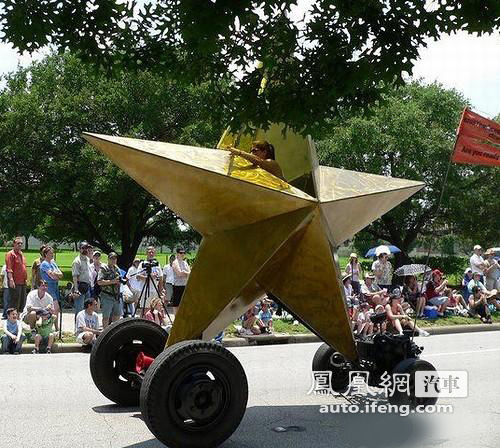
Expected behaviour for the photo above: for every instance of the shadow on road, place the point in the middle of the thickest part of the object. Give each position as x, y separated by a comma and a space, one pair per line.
263, 426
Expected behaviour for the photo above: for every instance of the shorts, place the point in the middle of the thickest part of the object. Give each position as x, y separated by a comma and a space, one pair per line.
79, 338
438, 301
177, 295
110, 307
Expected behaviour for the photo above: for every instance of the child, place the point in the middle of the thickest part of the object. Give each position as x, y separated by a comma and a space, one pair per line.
12, 340
43, 329
365, 325
266, 316
380, 327
248, 322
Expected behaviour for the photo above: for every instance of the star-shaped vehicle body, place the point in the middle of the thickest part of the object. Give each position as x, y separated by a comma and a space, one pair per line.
261, 235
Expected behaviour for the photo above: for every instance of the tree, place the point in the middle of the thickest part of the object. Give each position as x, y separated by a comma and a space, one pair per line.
411, 135
66, 190
334, 58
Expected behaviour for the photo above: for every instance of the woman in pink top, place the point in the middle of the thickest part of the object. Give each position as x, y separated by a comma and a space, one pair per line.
155, 313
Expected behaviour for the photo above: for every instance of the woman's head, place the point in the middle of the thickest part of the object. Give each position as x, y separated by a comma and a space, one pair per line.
263, 150
155, 303
48, 253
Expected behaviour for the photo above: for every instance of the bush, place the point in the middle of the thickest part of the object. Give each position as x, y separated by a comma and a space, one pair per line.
450, 265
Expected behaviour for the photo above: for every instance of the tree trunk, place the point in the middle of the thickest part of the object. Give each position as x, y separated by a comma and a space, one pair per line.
26, 242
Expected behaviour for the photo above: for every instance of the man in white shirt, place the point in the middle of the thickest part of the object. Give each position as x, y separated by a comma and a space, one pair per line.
477, 261
37, 299
134, 282
87, 324
156, 282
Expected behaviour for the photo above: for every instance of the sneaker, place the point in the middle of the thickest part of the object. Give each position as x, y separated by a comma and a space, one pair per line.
423, 333
49, 351
34, 351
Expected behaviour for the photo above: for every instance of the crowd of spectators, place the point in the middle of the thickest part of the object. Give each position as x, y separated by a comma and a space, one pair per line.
146, 289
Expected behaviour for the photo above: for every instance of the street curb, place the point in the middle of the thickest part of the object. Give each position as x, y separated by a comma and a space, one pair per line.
275, 339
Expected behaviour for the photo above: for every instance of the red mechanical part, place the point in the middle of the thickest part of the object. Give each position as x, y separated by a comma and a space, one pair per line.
142, 362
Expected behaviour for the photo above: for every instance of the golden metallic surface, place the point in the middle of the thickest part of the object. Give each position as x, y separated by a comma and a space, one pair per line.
260, 234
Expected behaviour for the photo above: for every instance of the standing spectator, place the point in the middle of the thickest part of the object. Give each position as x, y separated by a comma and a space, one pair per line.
434, 291
477, 261
17, 275
135, 284
95, 267
372, 293
37, 300
35, 268
181, 274
80, 270
50, 273
87, 323
413, 295
5, 290
109, 281
43, 328
12, 339
156, 282
382, 269
168, 276
354, 268
491, 271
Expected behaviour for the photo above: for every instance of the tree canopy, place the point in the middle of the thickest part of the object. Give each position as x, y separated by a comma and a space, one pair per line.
58, 188
337, 57
411, 135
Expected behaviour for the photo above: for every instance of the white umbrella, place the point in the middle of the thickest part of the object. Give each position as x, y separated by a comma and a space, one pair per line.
382, 250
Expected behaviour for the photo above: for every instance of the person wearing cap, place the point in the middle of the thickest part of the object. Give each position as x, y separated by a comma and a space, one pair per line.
354, 268
37, 300
109, 281
491, 271
382, 269
50, 272
372, 292
181, 274
95, 267
476, 281
348, 291
491, 295
80, 270
434, 291
477, 261
44, 327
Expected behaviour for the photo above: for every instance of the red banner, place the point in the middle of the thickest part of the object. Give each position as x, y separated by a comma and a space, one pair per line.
478, 140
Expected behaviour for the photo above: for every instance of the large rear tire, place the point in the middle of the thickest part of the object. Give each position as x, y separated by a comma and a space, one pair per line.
194, 395
115, 352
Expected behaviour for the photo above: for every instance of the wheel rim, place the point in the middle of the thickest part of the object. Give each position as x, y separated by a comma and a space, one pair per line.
126, 356
199, 398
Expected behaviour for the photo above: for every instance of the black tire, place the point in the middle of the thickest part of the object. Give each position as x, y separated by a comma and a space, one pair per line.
410, 366
327, 358
194, 395
115, 352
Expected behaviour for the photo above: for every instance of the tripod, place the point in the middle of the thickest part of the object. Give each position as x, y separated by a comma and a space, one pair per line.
145, 292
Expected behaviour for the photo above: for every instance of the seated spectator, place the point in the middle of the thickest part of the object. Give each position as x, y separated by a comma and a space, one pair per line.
348, 289
12, 339
434, 291
37, 300
156, 313
413, 295
465, 284
249, 323
476, 281
404, 304
44, 331
365, 325
87, 323
379, 327
398, 319
479, 304
456, 303
266, 316
372, 293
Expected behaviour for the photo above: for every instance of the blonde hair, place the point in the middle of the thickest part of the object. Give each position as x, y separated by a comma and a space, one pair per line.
154, 303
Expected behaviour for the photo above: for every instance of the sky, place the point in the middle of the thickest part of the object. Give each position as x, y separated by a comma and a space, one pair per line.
467, 63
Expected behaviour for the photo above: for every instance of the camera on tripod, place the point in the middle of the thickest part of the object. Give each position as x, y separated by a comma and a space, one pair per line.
148, 265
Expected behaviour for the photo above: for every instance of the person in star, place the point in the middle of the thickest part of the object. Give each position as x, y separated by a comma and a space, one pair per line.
262, 155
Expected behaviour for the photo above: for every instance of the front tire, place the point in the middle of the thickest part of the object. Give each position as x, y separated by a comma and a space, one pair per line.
327, 358
115, 352
194, 395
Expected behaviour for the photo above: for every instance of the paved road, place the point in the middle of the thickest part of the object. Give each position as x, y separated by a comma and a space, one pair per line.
50, 401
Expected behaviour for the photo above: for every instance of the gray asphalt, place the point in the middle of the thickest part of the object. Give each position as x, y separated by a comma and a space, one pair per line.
50, 401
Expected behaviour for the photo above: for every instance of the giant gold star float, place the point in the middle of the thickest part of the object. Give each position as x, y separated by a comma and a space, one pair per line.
260, 233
